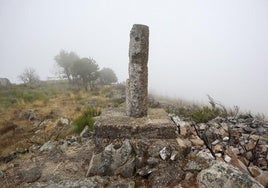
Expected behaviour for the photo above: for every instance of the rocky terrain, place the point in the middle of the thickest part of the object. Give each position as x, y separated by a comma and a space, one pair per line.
226, 151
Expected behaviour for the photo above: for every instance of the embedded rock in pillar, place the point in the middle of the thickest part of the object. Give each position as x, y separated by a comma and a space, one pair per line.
137, 84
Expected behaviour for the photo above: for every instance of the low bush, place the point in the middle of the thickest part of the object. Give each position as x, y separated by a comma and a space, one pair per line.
86, 119
204, 114
196, 113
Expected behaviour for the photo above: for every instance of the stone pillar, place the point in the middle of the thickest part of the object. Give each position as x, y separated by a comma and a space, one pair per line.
137, 84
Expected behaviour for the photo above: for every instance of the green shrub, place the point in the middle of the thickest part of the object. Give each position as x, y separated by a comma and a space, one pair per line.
86, 119
204, 114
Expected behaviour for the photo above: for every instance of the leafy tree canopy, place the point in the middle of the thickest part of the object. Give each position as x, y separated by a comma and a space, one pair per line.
85, 71
65, 60
107, 76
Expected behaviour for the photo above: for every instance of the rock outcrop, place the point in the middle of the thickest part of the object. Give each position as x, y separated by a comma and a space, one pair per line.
4, 83
223, 175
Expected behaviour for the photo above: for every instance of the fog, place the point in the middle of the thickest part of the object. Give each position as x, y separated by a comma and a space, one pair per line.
204, 47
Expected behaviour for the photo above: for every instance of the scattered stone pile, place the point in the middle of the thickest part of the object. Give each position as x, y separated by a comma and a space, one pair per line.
241, 159
241, 142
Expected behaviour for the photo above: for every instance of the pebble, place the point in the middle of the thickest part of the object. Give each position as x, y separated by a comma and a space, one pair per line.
164, 153
227, 158
2, 174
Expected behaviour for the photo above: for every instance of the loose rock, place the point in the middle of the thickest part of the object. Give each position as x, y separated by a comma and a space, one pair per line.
224, 175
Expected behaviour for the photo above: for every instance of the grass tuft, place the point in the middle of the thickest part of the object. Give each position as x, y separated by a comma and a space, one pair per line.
86, 119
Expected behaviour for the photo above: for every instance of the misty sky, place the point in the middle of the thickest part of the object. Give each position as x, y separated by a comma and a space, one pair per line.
216, 47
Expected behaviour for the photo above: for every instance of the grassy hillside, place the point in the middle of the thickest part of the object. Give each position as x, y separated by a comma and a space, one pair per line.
52, 110
32, 115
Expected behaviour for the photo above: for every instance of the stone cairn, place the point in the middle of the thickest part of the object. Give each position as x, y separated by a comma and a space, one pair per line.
137, 84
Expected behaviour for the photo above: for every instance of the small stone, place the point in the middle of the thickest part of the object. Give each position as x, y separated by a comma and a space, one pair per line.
22, 150
254, 137
63, 121
145, 171
243, 160
225, 139
175, 119
255, 171
64, 146
202, 126
247, 129
140, 161
2, 174
188, 176
205, 155
215, 142
262, 162
235, 160
12, 155
222, 131
263, 148
183, 131
165, 153
174, 155
33, 148
262, 178
219, 155
250, 146
32, 117
197, 142
72, 168
85, 133
248, 155
48, 146
152, 161
218, 148
183, 143
236, 151
227, 158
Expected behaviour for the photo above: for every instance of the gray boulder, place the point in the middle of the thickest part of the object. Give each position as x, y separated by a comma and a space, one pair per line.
48, 146
223, 175
29, 175
113, 161
4, 83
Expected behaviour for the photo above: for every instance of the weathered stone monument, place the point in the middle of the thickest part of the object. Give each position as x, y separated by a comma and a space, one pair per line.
137, 141
137, 84
136, 121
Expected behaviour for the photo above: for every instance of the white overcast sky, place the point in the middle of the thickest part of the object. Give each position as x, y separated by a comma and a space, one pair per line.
197, 47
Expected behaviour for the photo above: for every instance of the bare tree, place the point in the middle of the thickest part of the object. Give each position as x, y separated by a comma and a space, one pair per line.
29, 76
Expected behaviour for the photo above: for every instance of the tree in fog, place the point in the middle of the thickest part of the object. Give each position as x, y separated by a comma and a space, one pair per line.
65, 60
85, 72
107, 76
29, 76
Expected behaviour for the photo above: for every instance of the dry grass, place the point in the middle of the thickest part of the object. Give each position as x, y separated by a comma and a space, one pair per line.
16, 131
